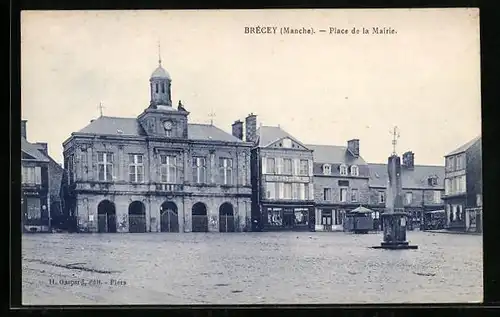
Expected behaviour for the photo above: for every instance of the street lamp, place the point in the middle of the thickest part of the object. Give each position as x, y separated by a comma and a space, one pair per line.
44, 208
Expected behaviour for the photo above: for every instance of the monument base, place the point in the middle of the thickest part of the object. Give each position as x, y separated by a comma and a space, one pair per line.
397, 245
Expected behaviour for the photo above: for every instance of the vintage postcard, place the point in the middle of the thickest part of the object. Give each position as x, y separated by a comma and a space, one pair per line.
251, 157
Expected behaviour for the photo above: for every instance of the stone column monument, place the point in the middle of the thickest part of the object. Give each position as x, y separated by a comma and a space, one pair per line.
394, 216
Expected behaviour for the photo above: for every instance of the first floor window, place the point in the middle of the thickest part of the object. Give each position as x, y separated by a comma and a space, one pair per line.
105, 166
327, 194
296, 189
354, 195
226, 170
136, 168
478, 200
408, 198
199, 170
271, 166
304, 167
437, 196
287, 164
381, 197
288, 190
271, 190
32, 175
168, 169
447, 186
343, 194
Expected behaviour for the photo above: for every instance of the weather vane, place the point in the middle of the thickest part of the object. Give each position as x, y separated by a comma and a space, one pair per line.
395, 137
100, 108
211, 115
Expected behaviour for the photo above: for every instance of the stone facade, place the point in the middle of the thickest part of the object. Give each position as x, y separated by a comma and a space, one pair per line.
422, 188
283, 191
40, 186
340, 183
463, 184
153, 159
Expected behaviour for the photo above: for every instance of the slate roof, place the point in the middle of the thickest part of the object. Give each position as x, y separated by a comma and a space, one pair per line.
111, 126
416, 178
33, 151
464, 147
334, 154
267, 135
197, 131
131, 127
160, 72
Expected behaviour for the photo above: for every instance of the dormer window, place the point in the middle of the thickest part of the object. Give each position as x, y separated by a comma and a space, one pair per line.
432, 181
287, 143
327, 169
354, 170
343, 169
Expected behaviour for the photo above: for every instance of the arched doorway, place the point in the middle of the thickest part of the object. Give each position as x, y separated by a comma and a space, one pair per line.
226, 218
169, 217
200, 219
136, 217
106, 216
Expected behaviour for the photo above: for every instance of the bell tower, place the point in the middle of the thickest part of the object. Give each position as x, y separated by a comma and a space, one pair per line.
160, 83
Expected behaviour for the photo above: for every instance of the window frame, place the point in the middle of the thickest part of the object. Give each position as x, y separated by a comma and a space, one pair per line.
136, 166
107, 164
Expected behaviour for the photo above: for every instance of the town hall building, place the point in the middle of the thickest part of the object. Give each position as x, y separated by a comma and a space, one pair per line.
157, 172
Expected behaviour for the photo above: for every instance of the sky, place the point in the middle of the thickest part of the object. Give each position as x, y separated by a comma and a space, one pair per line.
321, 88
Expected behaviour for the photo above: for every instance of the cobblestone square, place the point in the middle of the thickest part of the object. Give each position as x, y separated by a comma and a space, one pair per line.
248, 268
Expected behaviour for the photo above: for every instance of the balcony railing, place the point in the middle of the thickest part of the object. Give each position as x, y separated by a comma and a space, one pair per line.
169, 187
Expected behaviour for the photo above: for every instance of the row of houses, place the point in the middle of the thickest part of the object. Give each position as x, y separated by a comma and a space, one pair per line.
159, 172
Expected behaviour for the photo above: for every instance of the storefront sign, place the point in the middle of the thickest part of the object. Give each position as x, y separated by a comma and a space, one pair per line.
287, 179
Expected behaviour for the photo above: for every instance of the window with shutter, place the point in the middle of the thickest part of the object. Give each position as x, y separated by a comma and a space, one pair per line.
264, 165
38, 175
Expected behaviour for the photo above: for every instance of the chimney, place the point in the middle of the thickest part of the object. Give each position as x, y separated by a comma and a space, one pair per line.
23, 128
44, 146
238, 129
409, 160
353, 147
251, 128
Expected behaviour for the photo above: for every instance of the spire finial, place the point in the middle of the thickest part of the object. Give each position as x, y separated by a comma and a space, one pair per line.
159, 53
395, 137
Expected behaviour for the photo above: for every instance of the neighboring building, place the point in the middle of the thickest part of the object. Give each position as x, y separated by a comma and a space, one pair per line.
157, 172
282, 179
340, 183
40, 185
463, 187
423, 187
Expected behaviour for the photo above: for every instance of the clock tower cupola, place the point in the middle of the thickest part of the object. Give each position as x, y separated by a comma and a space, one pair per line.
160, 83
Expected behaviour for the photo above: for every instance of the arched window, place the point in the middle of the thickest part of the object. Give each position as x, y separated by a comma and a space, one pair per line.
163, 88
156, 87
327, 169
343, 169
354, 170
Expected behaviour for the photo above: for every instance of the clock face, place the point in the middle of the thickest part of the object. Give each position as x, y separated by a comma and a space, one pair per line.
167, 125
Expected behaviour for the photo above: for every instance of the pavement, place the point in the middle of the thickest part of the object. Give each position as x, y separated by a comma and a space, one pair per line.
454, 232
248, 268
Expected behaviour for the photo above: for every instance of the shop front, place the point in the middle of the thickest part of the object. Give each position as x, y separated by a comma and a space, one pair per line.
288, 217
